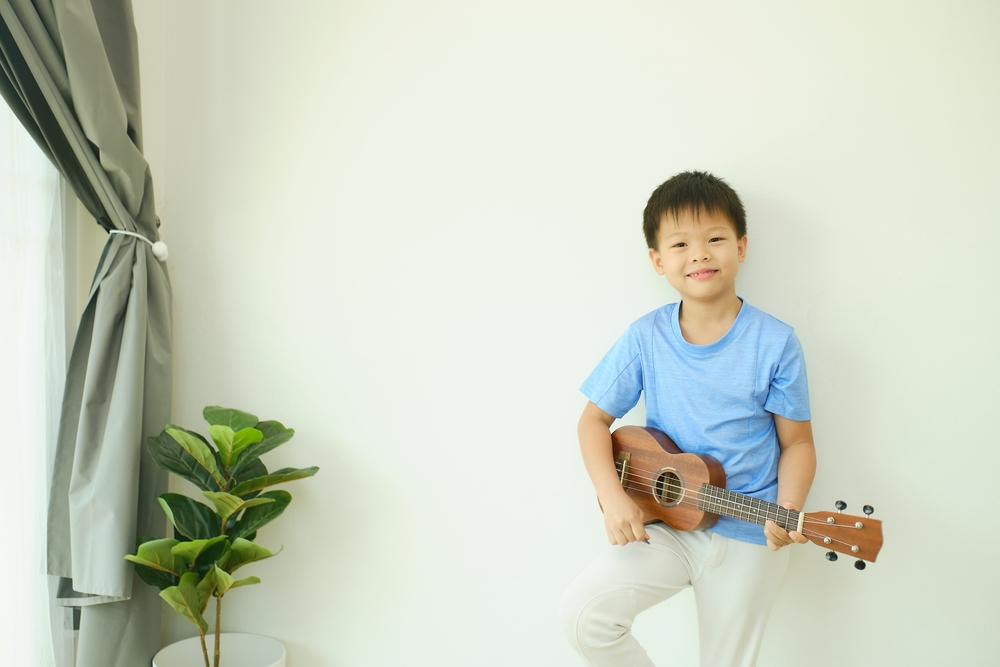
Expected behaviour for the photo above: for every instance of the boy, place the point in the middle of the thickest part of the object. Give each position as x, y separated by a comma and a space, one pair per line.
720, 378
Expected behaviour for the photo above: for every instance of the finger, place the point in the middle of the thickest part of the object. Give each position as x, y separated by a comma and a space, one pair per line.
610, 529
614, 530
773, 529
615, 535
774, 545
776, 534
629, 530
798, 537
639, 530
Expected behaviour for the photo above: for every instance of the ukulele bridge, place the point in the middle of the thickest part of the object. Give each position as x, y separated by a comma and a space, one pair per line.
622, 465
668, 487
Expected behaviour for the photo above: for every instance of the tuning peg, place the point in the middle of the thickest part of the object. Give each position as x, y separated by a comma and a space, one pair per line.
841, 505
860, 565
831, 556
868, 510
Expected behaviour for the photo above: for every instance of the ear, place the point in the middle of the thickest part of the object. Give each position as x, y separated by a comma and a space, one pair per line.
654, 257
741, 249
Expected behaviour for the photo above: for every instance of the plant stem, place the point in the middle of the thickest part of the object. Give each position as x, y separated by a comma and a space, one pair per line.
204, 649
218, 630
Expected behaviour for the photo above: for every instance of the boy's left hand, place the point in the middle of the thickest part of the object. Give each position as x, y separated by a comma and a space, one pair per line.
777, 537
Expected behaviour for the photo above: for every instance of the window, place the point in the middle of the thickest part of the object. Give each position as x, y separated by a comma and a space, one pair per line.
32, 370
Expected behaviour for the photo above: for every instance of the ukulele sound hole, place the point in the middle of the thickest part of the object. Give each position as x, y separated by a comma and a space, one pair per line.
668, 487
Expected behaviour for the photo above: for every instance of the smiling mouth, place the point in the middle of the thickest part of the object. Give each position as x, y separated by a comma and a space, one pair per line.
704, 274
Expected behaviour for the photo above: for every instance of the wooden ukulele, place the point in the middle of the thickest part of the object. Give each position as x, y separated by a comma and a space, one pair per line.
688, 492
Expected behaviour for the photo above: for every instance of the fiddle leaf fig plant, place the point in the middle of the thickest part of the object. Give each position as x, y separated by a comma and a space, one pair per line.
211, 541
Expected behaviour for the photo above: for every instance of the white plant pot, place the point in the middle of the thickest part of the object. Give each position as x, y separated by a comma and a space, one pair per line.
238, 650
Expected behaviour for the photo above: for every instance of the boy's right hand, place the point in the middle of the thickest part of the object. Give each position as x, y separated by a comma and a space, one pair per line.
622, 517
623, 520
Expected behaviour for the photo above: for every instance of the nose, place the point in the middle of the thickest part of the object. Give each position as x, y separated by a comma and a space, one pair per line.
700, 254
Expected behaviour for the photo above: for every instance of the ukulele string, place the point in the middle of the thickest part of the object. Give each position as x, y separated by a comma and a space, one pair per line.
683, 501
683, 490
805, 531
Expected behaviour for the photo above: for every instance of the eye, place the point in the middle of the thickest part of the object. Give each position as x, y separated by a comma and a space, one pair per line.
716, 238
679, 245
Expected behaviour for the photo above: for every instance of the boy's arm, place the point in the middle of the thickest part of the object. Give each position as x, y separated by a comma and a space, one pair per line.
623, 520
796, 468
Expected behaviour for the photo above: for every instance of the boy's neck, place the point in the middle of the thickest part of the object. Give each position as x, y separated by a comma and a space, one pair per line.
704, 322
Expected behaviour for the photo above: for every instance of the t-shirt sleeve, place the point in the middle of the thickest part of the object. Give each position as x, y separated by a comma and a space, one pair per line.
789, 393
615, 385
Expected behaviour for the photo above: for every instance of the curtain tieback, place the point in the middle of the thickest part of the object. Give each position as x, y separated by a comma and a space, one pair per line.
159, 248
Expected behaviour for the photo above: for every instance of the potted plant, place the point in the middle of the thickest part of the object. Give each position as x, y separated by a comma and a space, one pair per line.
211, 543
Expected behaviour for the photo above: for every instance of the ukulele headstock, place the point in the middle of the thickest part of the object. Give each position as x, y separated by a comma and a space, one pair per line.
856, 536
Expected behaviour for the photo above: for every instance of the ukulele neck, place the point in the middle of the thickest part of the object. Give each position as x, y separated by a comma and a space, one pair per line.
739, 506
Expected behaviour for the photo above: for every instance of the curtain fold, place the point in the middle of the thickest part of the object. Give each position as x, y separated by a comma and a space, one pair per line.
71, 76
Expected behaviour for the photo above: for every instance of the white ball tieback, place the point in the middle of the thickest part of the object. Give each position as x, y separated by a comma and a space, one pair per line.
160, 251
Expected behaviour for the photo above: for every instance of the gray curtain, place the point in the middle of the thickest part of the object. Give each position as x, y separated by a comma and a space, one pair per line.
71, 75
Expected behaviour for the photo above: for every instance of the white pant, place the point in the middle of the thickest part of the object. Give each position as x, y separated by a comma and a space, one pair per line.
734, 583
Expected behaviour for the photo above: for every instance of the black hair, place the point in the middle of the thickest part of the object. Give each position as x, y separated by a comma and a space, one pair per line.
697, 192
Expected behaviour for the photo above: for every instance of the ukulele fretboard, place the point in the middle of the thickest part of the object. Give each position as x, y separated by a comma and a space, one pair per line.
739, 506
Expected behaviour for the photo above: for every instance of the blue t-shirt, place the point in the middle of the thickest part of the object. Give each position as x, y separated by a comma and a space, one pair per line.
717, 399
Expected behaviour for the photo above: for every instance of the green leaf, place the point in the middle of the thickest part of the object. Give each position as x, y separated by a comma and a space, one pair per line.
192, 519
152, 576
224, 581
244, 552
156, 578
275, 434
170, 456
187, 600
201, 452
249, 581
216, 553
222, 436
255, 468
256, 517
234, 419
142, 539
277, 477
228, 505
191, 551
232, 444
244, 438
156, 563
206, 587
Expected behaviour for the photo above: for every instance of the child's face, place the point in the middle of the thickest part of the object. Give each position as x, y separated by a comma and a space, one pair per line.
699, 254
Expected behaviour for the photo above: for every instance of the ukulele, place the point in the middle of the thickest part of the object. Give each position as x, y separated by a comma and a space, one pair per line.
688, 492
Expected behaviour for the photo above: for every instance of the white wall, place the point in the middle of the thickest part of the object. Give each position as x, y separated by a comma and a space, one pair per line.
410, 229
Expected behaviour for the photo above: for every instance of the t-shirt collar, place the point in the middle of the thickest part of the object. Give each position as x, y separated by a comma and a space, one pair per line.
734, 331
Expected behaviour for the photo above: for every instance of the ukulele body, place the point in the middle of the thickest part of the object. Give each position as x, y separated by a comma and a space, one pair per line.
662, 480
